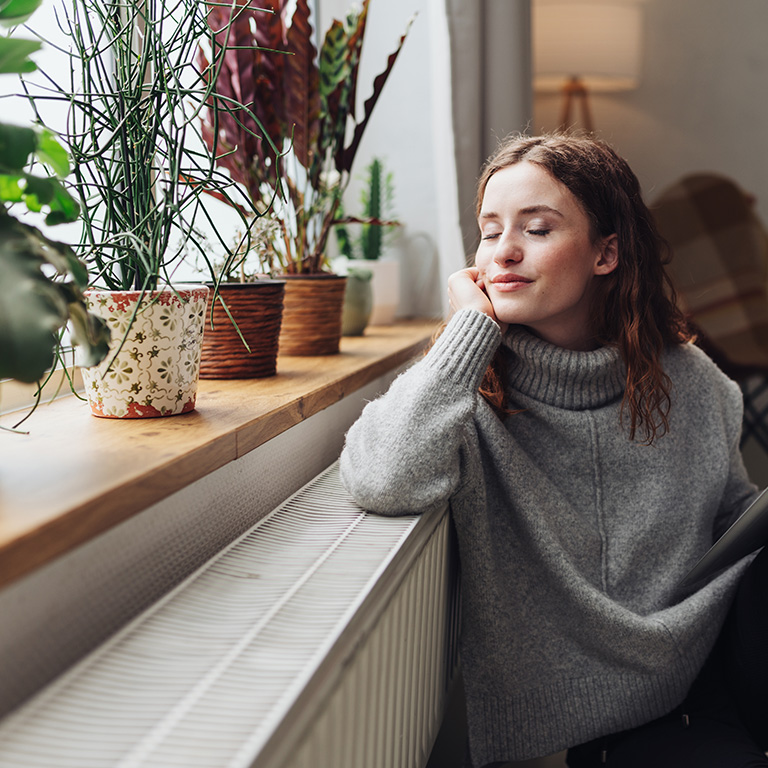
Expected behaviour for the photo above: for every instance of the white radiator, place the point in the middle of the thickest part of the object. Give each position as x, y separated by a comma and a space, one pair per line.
323, 637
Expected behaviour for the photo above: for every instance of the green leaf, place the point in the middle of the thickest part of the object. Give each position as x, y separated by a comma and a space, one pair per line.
11, 190
14, 56
63, 208
15, 12
34, 306
37, 193
90, 333
345, 159
49, 151
40, 189
17, 143
31, 310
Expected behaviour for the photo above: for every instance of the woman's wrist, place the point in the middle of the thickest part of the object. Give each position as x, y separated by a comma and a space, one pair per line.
464, 350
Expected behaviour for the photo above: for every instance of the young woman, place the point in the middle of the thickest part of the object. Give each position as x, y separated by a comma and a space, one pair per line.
590, 456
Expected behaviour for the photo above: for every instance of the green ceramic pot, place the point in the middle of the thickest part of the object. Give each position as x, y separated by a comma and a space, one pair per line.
358, 302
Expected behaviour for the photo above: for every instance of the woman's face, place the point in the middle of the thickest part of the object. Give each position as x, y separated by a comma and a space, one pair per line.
536, 258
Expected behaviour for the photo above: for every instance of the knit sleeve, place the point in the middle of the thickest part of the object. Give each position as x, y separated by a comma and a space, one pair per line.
402, 456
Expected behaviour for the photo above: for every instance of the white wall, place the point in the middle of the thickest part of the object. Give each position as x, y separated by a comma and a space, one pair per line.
702, 104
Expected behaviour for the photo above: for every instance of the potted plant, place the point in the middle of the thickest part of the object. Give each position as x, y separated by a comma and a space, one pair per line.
141, 170
245, 309
43, 280
358, 301
303, 110
365, 249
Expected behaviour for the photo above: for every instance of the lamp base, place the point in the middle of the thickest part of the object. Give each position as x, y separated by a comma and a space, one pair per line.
575, 91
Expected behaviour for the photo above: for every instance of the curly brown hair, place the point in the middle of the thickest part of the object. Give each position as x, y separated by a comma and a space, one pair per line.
635, 308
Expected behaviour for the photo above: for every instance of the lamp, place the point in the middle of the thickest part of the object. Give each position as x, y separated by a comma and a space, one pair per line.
581, 46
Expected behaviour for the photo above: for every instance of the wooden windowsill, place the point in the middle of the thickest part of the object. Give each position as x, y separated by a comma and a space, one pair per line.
74, 476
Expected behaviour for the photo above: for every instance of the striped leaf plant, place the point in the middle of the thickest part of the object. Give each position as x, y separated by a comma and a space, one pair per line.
294, 149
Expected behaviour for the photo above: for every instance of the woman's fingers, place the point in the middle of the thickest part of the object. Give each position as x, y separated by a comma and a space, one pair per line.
465, 292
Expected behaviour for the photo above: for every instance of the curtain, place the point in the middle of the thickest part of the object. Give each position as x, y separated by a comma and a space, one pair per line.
491, 94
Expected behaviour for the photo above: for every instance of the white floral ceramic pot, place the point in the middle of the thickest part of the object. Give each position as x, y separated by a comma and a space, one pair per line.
154, 360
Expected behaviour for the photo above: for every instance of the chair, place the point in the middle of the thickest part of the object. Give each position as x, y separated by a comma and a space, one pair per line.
720, 270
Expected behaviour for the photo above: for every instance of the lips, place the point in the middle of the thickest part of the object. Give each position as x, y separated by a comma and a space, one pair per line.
508, 281
508, 277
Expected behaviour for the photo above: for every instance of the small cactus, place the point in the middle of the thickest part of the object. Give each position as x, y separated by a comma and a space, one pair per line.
376, 218
371, 238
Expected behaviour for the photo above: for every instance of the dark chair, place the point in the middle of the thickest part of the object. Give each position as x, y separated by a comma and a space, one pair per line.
720, 270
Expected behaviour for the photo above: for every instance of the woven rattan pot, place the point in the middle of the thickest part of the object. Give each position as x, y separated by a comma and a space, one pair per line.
312, 314
257, 308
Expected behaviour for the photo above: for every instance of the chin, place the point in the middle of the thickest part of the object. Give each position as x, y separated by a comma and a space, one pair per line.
509, 316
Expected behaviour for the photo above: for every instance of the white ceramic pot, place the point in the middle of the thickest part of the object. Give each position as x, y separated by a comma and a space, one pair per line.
153, 365
386, 288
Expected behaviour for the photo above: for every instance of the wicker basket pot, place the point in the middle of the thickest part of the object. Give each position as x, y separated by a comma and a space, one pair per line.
312, 314
257, 309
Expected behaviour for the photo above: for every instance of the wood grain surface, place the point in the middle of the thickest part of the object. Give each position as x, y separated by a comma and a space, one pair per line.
75, 475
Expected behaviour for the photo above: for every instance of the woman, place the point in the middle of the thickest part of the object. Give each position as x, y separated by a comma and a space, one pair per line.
590, 455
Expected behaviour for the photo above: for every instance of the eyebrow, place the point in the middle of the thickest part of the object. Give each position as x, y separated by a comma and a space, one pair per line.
525, 211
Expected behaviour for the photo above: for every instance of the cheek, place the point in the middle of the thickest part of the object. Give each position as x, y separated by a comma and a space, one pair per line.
482, 259
572, 265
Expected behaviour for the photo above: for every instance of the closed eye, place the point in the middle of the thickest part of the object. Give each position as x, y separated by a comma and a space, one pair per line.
539, 232
491, 236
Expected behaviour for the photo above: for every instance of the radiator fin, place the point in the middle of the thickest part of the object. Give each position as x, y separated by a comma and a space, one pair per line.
208, 674
391, 700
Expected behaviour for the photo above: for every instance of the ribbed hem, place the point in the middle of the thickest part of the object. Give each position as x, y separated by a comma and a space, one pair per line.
571, 712
562, 377
465, 348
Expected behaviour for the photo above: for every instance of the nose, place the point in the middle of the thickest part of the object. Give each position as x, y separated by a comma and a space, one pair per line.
508, 250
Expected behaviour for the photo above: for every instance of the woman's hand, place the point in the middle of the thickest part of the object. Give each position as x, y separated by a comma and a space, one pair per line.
466, 291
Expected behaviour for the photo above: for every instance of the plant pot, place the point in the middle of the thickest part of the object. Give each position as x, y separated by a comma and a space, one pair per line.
386, 288
154, 359
312, 314
358, 301
257, 308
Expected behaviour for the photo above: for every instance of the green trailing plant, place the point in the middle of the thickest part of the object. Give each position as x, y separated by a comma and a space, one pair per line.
294, 151
41, 279
141, 167
14, 52
376, 222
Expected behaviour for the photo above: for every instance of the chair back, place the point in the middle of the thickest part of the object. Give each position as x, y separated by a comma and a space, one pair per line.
719, 265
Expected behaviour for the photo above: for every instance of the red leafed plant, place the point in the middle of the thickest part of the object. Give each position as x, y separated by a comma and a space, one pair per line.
289, 148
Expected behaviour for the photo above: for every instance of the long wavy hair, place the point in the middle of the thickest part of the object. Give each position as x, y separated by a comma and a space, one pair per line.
634, 307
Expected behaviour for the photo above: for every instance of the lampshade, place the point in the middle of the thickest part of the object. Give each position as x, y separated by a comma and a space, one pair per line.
597, 42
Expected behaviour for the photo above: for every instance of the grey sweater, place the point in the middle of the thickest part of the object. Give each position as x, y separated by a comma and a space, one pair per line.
572, 538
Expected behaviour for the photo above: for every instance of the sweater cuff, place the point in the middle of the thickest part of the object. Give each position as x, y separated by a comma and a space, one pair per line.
465, 348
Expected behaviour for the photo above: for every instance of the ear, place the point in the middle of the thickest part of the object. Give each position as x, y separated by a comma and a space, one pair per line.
608, 255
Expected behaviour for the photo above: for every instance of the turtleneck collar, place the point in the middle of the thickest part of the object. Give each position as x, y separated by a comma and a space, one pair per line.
561, 377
